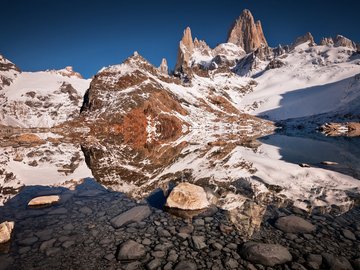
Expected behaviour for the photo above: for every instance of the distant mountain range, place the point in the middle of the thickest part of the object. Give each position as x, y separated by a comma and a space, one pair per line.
242, 76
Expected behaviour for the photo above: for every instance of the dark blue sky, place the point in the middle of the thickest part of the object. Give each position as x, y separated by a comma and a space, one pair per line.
44, 34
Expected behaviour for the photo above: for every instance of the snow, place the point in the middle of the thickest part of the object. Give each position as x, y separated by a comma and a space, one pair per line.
303, 87
46, 88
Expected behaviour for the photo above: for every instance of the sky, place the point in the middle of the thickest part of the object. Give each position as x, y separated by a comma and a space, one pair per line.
88, 35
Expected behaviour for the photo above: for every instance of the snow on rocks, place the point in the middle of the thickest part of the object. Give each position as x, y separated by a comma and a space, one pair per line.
187, 196
5, 231
44, 200
265, 254
294, 224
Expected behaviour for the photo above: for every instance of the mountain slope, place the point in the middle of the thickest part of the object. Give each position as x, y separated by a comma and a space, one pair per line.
40, 99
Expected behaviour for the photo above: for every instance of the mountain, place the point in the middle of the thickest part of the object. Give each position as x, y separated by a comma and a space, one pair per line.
246, 33
242, 76
39, 99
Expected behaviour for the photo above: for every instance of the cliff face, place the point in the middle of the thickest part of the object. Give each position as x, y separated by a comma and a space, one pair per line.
247, 33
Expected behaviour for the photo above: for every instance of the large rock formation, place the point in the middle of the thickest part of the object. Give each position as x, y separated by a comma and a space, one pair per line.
327, 41
68, 72
8, 72
247, 33
186, 47
341, 41
307, 38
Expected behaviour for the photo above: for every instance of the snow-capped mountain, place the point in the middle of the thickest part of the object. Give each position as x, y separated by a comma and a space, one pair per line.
39, 99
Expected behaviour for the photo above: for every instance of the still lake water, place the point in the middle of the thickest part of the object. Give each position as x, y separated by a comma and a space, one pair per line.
226, 166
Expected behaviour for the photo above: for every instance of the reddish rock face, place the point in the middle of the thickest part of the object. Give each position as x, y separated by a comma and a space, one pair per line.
247, 33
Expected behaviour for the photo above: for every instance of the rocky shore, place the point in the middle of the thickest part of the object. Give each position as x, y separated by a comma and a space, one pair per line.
94, 228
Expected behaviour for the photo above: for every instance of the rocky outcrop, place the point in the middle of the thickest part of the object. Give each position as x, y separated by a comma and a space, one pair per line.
187, 196
358, 47
307, 38
8, 72
247, 33
68, 72
185, 50
327, 41
164, 67
275, 63
341, 41
5, 231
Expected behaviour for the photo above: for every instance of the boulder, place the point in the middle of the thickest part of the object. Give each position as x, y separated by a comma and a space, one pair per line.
5, 231
135, 214
187, 196
265, 254
188, 265
294, 224
131, 250
334, 262
44, 200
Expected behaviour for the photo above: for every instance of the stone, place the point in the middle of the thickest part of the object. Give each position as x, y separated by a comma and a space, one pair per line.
154, 264
356, 264
294, 224
52, 251
349, 235
187, 196
85, 210
185, 265
68, 227
44, 200
336, 262
297, 266
314, 258
68, 244
216, 246
265, 254
6, 229
44, 234
135, 214
131, 250
231, 263
188, 229
28, 241
198, 242
246, 33
58, 211
47, 244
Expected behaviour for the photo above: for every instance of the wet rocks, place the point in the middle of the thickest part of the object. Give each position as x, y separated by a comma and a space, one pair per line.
336, 262
5, 231
187, 196
294, 224
198, 242
135, 214
44, 200
188, 265
131, 250
265, 254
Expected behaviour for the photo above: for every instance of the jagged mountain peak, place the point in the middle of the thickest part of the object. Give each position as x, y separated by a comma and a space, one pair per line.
307, 38
247, 33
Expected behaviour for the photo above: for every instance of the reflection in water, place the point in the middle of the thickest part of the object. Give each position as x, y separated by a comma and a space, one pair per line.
242, 175
344, 151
